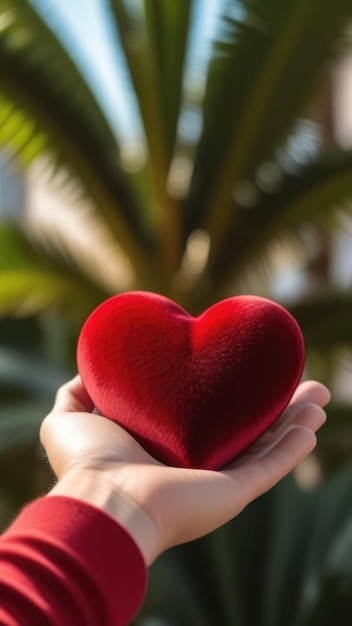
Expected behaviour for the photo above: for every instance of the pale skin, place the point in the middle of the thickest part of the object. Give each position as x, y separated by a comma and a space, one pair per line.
98, 462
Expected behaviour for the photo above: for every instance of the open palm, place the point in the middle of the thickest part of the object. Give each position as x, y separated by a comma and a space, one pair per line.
181, 504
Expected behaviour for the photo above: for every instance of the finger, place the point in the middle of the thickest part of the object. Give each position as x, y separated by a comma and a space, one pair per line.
72, 397
306, 415
230, 491
305, 409
301, 414
261, 473
309, 415
311, 391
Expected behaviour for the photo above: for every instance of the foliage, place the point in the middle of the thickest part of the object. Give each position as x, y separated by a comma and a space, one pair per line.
199, 219
290, 550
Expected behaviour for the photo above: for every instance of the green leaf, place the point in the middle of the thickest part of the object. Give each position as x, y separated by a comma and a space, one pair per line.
19, 423
183, 588
335, 439
47, 106
168, 25
325, 320
26, 140
155, 51
33, 279
23, 334
313, 192
28, 383
277, 551
328, 590
266, 64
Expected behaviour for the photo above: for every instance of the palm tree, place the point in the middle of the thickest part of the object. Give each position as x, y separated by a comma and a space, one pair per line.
203, 217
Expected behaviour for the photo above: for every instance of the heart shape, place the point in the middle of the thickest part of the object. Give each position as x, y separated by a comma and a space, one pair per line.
195, 392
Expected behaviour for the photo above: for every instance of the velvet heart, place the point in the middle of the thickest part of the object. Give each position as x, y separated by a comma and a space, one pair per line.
194, 391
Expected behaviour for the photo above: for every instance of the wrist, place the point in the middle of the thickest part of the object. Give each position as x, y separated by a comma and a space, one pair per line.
99, 490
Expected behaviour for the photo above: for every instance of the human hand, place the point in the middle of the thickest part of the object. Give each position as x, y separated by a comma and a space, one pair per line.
97, 461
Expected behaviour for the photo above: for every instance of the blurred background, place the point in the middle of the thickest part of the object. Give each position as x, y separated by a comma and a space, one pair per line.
201, 150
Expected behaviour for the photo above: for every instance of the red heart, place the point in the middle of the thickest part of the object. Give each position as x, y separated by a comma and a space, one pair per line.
195, 392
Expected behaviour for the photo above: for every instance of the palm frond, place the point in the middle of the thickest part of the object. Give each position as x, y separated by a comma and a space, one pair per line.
28, 382
154, 48
19, 132
168, 25
312, 193
19, 423
325, 320
266, 63
48, 107
33, 278
286, 580
335, 439
331, 598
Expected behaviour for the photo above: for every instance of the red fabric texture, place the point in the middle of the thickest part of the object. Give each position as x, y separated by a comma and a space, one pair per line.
66, 563
195, 392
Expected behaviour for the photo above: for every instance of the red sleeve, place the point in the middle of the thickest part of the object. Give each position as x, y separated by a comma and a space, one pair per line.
63, 561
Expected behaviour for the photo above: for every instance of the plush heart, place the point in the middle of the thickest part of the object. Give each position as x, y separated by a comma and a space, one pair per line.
195, 392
